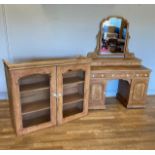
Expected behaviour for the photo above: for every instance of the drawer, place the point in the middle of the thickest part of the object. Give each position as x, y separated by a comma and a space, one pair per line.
112, 75
98, 75
137, 75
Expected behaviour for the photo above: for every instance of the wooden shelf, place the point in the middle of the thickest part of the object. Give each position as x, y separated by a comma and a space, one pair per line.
72, 81
35, 106
34, 87
72, 98
72, 111
36, 121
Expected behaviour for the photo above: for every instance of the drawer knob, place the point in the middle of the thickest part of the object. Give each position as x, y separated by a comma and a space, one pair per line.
93, 75
54, 94
59, 94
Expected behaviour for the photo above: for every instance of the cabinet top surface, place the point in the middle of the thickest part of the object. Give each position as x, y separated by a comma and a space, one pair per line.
47, 62
116, 59
120, 68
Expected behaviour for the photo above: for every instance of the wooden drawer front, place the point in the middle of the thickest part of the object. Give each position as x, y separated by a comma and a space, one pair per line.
137, 75
112, 75
119, 75
98, 75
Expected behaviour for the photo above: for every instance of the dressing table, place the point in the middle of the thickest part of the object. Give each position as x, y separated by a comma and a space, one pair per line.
112, 60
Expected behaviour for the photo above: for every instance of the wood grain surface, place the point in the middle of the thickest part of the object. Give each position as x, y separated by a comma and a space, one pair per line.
113, 128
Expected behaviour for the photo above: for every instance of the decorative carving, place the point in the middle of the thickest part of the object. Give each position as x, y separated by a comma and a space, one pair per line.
96, 91
139, 91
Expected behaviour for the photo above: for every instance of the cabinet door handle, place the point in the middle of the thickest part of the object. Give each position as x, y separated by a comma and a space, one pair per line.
59, 94
54, 94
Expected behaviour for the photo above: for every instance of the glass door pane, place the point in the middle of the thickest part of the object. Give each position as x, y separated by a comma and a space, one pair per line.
73, 92
35, 99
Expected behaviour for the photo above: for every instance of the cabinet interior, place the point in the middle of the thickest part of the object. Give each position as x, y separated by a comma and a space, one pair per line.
35, 99
73, 92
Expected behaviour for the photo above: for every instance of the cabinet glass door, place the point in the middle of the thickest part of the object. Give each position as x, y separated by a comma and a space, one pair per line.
73, 92
37, 101
73, 101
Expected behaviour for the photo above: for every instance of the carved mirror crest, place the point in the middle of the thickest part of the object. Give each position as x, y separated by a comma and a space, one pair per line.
113, 37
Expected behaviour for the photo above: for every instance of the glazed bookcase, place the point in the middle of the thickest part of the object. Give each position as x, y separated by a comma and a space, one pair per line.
46, 93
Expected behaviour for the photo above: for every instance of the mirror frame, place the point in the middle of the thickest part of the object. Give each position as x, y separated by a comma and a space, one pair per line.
125, 54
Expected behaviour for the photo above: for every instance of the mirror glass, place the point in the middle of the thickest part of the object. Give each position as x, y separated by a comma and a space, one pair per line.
113, 36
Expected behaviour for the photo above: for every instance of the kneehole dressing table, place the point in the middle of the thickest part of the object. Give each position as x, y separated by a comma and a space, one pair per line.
112, 60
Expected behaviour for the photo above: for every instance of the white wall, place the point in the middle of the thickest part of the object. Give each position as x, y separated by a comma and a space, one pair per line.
65, 30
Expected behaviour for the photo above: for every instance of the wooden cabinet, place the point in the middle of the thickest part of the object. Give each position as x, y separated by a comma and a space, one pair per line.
43, 94
113, 60
97, 94
132, 88
138, 93
133, 94
34, 104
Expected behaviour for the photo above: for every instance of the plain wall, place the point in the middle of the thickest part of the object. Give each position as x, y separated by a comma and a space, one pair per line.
38, 31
